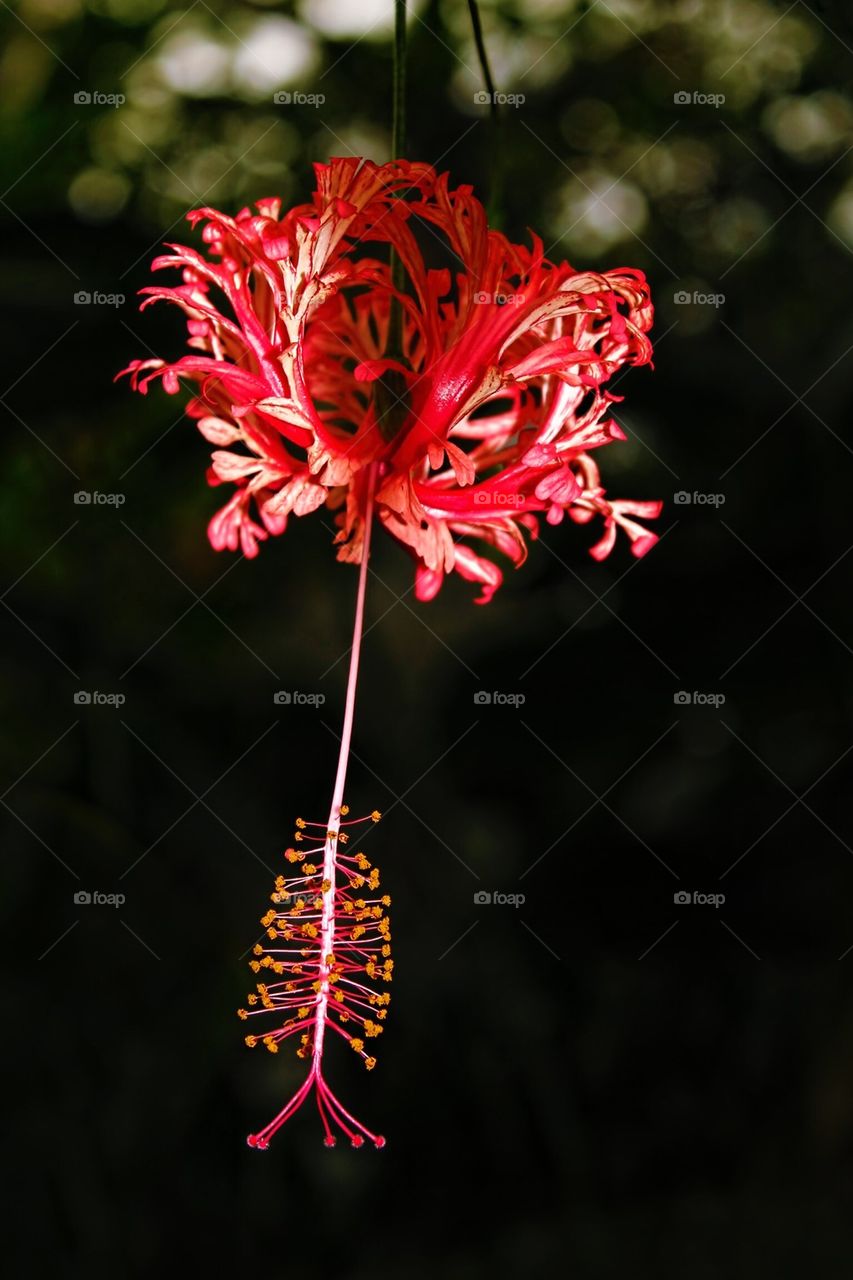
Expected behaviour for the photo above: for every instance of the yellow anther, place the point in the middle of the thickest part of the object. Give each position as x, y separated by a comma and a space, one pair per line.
376, 815
253, 999
303, 1011
254, 966
343, 838
344, 810
251, 1041
370, 1063
310, 869
356, 882
241, 1013
326, 886
357, 1044
300, 822
385, 899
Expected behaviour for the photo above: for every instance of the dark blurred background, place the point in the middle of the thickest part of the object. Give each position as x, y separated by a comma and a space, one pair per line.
603, 1078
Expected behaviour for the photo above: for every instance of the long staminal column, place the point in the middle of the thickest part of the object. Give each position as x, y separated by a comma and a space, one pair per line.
328, 934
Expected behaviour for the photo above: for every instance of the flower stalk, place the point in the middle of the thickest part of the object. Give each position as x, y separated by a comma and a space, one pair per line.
339, 942
327, 930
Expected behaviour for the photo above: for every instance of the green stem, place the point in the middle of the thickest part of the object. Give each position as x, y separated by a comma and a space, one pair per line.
398, 134
496, 166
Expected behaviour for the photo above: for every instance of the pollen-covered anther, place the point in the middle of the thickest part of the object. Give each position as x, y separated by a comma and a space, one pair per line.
375, 816
335, 942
